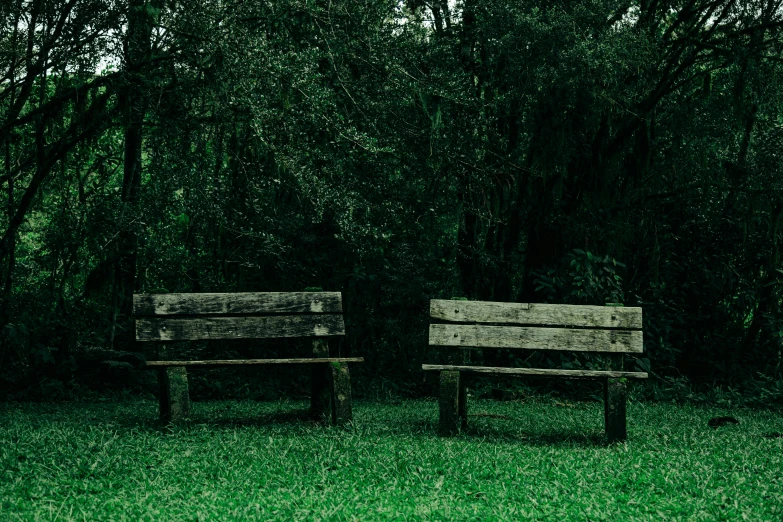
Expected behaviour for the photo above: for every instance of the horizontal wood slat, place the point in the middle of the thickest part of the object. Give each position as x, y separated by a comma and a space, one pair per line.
536, 371
479, 336
237, 303
534, 313
200, 328
243, 362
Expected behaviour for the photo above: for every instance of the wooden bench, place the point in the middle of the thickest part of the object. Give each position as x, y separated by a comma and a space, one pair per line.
252, 315
481, 324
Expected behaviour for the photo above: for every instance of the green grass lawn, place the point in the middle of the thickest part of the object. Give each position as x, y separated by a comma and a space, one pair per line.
532, 460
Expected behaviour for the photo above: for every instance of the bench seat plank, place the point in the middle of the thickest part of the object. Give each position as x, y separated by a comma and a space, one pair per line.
570, 339
536, 371
202, 328
238, 303
242, 362
534, 313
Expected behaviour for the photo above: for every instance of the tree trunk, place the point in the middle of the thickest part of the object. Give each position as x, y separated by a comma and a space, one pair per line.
9, 276
134, 102
467, 238
766, 297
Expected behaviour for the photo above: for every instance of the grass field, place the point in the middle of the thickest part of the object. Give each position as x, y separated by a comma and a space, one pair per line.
532, 460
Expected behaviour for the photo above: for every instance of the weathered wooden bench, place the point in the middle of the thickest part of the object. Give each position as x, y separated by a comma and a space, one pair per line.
481, 324
252, 315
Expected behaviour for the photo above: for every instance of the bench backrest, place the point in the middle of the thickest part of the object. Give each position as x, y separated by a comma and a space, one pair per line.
245, 315
579, 328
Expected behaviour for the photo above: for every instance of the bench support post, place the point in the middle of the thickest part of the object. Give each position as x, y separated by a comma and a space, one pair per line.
319, 396
462, 357
462, 407
615, 395
173, 396
340, 393
451, 411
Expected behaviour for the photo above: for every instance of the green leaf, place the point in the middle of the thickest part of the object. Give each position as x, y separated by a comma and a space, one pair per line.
183, 220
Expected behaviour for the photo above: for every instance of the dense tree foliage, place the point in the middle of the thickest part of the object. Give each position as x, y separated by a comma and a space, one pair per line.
577, 151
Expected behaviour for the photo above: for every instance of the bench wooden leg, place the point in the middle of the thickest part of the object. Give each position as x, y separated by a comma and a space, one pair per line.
340, 393
462, 407
319, 396
615, 394
173, 396
451, 411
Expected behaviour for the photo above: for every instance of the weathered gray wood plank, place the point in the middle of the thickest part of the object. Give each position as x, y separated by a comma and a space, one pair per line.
534, 313
192, 329
535, 371
479, 336
237, 303
243, 362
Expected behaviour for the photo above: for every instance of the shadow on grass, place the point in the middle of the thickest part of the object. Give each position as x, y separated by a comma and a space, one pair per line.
550, 438
223, 418
495, 434
413, 424
299, 416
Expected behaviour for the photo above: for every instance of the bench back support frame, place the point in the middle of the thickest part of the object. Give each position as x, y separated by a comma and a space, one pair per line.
612, 331
170, 318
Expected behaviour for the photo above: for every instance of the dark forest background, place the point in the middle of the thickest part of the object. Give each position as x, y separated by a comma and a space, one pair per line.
571, 151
